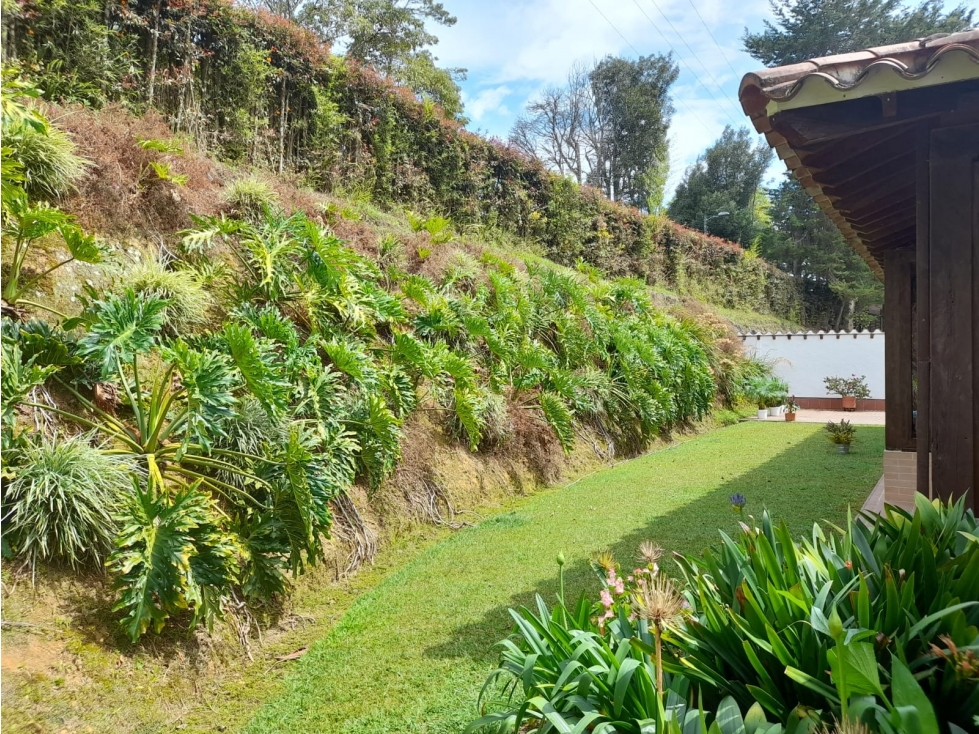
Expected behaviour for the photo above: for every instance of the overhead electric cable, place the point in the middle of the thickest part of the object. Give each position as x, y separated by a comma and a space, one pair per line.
734, 122
709, 33
680, 101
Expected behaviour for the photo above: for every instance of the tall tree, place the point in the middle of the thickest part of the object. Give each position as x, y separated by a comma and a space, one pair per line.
393, 36
802, 240
607, 127
632, 117
725, 178
838, 287
555, 126
807, 29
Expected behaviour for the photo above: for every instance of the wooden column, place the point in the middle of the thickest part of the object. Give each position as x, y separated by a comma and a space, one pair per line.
954, 298
923, 305
898, 269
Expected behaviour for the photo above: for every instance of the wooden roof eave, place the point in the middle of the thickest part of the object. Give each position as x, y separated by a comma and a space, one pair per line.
854, 170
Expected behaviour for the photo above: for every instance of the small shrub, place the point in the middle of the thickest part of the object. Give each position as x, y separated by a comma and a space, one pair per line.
498, 425
188, 302
841, 433
60, 506
846, 387
51, 168
766, 391
171, 557
598, 667
25, 224
439, 228
251, 196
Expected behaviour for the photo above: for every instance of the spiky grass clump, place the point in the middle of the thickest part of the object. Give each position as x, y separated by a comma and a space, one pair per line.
251, 196
189, 302
51, 166
62, 503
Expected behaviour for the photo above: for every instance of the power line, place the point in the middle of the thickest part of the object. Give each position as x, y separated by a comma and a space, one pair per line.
719, 48
680, 101
692, 53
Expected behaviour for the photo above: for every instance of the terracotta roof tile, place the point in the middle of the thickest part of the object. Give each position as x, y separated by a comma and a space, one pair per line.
845, 71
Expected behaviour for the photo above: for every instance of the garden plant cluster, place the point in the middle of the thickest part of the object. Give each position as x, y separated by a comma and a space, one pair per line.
205, 414
868, 628
252, 88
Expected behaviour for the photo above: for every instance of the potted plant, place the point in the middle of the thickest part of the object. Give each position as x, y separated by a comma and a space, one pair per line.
778, 396
850, 389
757, 390
790, 408
841, 434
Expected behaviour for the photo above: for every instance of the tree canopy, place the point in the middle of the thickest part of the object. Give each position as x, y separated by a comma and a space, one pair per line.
393, 36
837, 284
807, 29
606, 126
725, 178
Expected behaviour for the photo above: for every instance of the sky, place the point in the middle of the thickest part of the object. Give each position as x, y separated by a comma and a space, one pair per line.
514, 48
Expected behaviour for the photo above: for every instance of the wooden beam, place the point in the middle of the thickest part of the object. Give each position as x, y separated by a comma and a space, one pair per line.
887, 227
874, 168
845, 118
828, 155
886, 179
863, 208
975, 327
897, 350
884, 213
900, 241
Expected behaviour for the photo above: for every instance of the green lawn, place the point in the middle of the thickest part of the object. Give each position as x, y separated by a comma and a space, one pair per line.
411, 655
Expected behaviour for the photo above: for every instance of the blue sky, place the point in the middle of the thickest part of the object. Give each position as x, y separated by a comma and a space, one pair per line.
514, 48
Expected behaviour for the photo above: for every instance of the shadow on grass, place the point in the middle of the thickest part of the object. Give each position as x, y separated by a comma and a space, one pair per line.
806, 483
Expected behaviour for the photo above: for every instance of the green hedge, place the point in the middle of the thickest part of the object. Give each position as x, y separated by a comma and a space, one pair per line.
227, 76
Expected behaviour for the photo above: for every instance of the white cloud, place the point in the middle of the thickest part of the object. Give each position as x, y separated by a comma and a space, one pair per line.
487, 100
513, 48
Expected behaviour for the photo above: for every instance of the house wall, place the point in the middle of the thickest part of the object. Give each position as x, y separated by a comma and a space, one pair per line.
804, 359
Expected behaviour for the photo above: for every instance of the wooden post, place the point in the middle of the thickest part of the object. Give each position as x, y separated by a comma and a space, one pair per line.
953, 270
898, 266
923, 305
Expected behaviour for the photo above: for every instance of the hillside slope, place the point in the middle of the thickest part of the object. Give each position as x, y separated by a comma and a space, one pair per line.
484, 369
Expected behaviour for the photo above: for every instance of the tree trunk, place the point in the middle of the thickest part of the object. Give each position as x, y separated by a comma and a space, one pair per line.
10, 41
154, 47
282, 124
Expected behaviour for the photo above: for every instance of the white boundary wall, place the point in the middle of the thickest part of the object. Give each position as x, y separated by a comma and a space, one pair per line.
804, 359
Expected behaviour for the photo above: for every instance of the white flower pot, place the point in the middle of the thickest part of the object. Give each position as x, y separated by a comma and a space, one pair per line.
773, 412
762, 414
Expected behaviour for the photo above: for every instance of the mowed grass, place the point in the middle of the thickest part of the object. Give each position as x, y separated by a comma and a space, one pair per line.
412, 654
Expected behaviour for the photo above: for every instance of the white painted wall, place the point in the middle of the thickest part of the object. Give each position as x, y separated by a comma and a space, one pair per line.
803, 360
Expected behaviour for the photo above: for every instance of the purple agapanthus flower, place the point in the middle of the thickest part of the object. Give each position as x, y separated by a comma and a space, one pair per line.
738, 502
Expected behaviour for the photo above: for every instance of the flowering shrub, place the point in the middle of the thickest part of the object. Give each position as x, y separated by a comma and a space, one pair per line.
873, 628
598, 667
847, 387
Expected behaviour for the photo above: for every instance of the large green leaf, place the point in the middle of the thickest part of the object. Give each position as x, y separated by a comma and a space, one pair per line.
255, 362
857, 665
559, 417
126, 325
170, 556
907, 692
